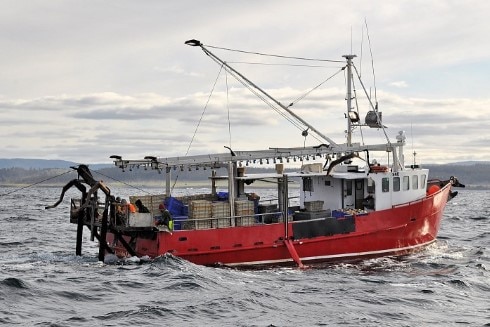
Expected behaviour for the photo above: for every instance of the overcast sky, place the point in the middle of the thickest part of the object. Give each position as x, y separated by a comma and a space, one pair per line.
82, 80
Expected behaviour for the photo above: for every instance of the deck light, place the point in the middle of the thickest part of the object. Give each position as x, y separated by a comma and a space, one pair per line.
193, 43
354, 116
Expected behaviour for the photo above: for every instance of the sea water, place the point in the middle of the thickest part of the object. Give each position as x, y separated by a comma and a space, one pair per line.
43, 283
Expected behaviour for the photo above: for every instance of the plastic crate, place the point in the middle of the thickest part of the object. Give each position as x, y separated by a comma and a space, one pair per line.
174, 206
179, 222
338, 214
314, 205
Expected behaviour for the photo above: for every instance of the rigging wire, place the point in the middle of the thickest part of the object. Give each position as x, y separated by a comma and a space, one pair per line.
228, 109
371, 103
316, 87
252, 89
372, 63
273, 64
204, 111
260, 96
199, 123
357, 109
294, 122
360, 58
119, 181
31, 185
273, 55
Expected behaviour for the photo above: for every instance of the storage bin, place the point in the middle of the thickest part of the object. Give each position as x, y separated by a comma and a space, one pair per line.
174, 206
313, 205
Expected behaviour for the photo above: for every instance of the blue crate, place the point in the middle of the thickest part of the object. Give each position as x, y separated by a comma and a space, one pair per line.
174, 206
338, 214
222, 196
179, 222
185, 210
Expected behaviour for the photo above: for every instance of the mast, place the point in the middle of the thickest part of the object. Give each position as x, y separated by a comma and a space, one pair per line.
349, 97
214, 57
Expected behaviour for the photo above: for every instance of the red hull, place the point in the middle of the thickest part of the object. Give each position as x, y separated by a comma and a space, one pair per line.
397, 231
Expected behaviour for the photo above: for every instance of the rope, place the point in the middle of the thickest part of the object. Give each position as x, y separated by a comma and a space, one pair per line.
372, 61
297, 124
272, 55
31, 185
119, 181
371, 103
271, 64
198, 124
228, 109
357, 109
314, 88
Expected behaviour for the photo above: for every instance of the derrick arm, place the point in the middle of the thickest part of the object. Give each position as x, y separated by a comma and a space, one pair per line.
74, 182
85, 174
341, 159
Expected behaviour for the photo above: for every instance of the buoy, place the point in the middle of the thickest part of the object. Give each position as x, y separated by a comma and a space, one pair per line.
433, 189
379, 169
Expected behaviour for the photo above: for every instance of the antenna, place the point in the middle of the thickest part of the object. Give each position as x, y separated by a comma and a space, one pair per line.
372, 63
350, 39
360, 59
413, 151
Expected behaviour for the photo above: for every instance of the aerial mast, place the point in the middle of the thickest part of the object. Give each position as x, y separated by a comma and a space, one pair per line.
349, 98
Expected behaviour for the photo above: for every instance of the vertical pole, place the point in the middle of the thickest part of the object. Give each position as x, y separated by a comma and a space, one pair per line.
231, 192
213, 182
285, 205
280, 194
167, 181
103, 235
349, 97
82, 214
80, 219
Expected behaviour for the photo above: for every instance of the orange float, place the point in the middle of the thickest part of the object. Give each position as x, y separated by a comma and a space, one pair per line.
433, 189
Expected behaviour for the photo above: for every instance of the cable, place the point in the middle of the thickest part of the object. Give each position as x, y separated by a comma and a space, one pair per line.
272, 55
314, 88
228, 109
372, 63
31, 185
119, 181
271, 64
198, 124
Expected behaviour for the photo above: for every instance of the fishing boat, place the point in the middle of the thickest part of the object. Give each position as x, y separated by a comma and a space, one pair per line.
354, 200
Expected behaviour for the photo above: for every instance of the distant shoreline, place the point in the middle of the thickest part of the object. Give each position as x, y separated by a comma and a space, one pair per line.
187, 185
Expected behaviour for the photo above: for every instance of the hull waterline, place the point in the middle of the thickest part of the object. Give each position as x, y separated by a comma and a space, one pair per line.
397, 231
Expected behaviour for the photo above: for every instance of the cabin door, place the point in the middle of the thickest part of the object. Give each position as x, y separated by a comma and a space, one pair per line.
359, 193
349, 194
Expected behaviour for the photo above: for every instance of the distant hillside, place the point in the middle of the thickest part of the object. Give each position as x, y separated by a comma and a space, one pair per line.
42, 164
58, 172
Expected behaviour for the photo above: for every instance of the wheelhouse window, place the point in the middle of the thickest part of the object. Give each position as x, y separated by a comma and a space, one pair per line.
415, 182
423, 179
348, 187
385, 184
307, 185
396, 184
370, 186
406, 183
